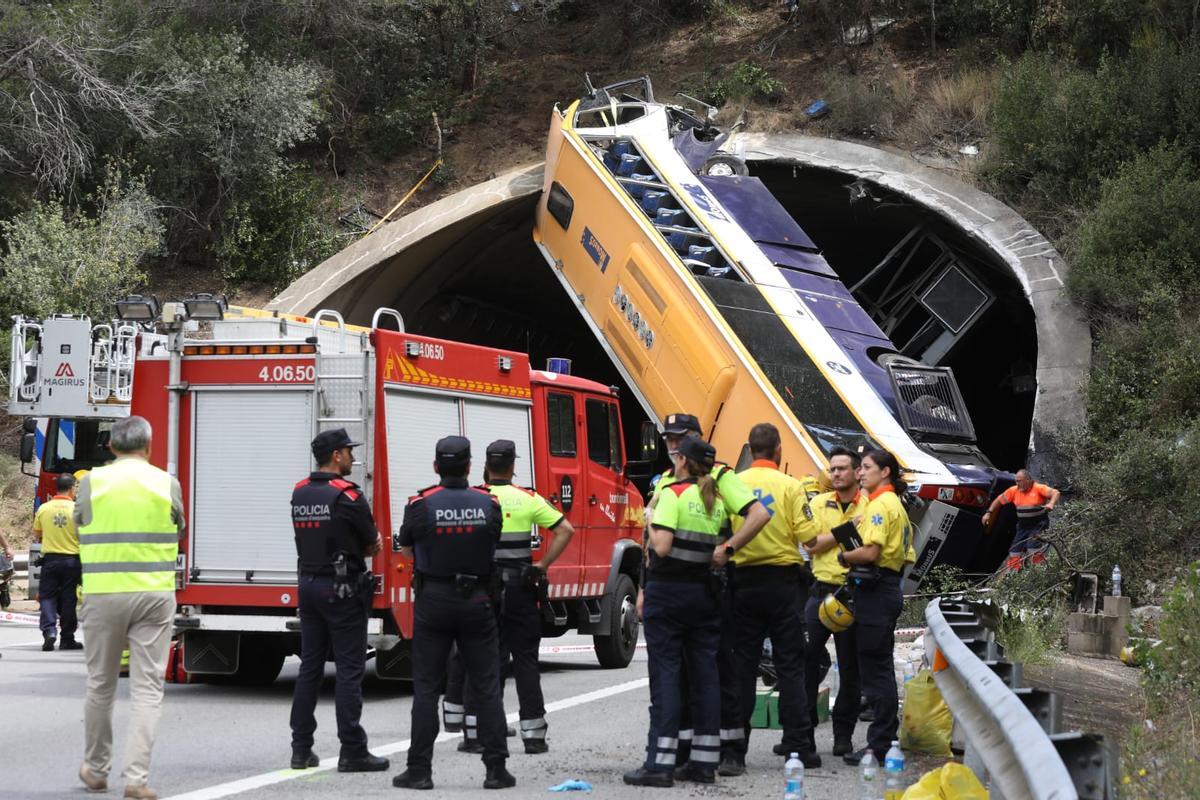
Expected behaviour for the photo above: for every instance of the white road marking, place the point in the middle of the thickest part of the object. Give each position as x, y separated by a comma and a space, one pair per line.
280, 775
22, 644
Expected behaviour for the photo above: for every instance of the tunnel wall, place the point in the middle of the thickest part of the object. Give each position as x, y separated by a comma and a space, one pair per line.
402, 256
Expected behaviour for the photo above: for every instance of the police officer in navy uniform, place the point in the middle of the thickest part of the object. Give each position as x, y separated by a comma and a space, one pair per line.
451, 530
334, 536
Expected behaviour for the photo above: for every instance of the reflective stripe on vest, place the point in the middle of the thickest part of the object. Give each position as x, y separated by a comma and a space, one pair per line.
693, 546
1028, 512
132, 541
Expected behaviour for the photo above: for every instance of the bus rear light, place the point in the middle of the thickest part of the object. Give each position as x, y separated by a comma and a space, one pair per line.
957, 495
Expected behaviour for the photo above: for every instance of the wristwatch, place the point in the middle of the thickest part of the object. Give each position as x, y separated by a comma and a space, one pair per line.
729, 551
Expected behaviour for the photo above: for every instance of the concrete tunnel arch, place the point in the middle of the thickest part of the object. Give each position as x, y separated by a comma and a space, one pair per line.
465, 267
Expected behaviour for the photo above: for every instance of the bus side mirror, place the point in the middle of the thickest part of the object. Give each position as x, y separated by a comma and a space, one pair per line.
28, 442
649, 441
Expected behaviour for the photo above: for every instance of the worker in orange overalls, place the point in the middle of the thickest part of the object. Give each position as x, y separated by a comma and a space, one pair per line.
1034, 502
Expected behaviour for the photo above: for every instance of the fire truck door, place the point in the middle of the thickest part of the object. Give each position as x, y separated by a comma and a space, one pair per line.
605, 506
563, 483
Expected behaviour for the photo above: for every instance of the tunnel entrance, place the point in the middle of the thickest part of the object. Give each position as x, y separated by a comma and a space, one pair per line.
479, 278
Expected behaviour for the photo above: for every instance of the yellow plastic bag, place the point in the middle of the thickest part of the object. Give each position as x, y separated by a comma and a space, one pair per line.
927, 722
951, 781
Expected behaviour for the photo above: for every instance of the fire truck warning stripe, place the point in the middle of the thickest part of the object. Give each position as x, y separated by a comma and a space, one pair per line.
281, 775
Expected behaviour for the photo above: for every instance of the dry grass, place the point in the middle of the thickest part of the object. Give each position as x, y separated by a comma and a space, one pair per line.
954, 112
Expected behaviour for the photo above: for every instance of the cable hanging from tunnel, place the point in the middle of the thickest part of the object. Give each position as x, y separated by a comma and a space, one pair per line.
437, 127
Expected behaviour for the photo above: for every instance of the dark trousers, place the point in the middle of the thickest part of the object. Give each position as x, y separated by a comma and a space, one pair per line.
1028, 531
61, 574
520, 637
766, 606
876, 609
442, 619
845, 709
732, 732
328, 623
681, 627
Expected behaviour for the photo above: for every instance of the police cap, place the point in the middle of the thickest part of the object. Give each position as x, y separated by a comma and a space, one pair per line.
326, 442
501, 453
453, 451
698, 450
680, 424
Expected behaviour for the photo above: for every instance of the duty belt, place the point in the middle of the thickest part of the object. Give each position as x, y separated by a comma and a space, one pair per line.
767, 573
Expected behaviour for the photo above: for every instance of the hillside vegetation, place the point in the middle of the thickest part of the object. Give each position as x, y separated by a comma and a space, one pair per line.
217, 144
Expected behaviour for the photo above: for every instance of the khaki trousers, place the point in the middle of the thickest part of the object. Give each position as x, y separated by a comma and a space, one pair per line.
140, 621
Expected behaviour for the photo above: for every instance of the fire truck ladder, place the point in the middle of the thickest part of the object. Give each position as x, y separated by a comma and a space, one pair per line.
111, 373
25, 363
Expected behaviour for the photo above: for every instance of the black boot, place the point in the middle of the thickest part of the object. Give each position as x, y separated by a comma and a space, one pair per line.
367, 763
842, 745
498, 778
649, 777
408, 780
303, 758
69, 643
47, 644
732, 765
470, 746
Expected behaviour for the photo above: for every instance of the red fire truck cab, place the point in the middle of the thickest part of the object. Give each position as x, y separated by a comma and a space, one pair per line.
234, 415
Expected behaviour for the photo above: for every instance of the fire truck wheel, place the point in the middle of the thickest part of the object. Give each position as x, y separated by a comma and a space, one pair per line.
259, 663
615, 650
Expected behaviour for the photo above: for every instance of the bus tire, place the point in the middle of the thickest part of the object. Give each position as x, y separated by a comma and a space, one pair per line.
615, 649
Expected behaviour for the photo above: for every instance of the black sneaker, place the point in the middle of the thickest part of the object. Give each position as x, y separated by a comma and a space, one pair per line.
853, 757
841, 746
732, 765
499, 778
407, 780
367, 763
470, 746
303, 759
69, 644
695, 774
47, 644
650, 777
535, 747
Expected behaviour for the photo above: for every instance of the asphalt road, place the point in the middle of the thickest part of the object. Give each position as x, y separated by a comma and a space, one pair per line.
221, 741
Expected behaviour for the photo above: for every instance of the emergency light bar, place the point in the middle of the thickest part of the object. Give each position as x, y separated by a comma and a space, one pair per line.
137, 308
247, 349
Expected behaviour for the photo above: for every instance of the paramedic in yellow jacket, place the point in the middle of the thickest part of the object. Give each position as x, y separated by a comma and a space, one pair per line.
846, 503
130, 516
886, 550
766, 597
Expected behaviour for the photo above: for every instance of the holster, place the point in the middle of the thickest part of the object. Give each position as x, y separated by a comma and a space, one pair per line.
466, 585
345, 585
718, 583
532, 576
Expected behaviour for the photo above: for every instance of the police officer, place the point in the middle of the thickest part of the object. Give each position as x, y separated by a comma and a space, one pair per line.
876, 569
766, 600
844, 504
682, 621
335, 533
736, 500
451, 531
520, 620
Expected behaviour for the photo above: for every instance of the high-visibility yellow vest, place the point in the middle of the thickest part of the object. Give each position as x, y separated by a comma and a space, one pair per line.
132, 541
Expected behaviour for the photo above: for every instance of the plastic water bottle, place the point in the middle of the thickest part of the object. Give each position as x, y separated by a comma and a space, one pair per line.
1116, 581
793, 778
868, 778
910, 671
893, 773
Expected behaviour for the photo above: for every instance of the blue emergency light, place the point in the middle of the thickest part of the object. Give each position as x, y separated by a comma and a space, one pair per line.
561, 366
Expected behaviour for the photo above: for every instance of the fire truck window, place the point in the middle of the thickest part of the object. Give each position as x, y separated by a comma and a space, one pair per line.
77, 444
616, 459
600, 447
560, 419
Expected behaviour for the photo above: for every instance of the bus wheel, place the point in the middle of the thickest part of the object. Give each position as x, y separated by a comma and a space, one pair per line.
615, 649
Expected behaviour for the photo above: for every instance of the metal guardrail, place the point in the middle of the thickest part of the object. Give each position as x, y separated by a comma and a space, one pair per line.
1013, 733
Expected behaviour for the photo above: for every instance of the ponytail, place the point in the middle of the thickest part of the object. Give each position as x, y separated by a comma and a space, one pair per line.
704, 482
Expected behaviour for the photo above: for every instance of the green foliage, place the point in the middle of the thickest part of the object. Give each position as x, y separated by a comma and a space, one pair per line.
860, 106
277, 233
60, 260
1033, 619
747, 81
1058, 130
1160, 756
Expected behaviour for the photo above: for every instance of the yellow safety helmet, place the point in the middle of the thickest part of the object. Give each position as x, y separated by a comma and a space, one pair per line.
79, 473
834, 613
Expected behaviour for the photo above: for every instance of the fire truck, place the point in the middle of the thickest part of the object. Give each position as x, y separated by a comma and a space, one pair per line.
236, 395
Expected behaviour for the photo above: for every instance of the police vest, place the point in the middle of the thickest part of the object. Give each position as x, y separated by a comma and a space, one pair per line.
521, 509
132, 541
455, 530
320, 533
696, 531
